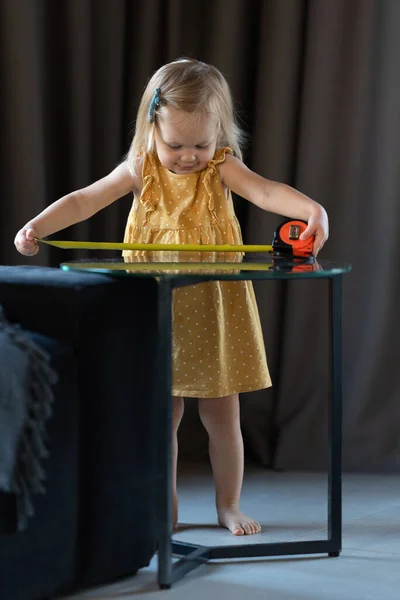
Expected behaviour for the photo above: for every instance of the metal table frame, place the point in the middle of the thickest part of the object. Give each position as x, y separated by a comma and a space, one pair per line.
193, 555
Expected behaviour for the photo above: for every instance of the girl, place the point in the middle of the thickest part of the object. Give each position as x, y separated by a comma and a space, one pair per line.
184, 160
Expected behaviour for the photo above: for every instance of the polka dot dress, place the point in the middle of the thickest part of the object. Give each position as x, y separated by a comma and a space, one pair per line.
218, 346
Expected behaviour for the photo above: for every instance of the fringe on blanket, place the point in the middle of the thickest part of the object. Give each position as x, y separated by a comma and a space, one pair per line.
28, 473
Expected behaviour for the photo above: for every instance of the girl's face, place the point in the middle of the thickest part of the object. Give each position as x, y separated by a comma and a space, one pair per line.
185, 142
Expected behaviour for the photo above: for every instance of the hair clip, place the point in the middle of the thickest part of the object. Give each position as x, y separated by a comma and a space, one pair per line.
154, 104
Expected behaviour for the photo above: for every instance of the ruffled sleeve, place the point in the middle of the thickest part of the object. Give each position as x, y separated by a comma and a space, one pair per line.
211, 171
147, 197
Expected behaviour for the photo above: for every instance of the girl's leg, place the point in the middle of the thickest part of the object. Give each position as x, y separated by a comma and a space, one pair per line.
221, 418
178, 407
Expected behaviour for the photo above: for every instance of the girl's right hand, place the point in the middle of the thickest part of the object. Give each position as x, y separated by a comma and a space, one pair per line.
25, 242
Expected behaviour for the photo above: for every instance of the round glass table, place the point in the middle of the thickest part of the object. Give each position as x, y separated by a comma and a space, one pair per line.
176, 269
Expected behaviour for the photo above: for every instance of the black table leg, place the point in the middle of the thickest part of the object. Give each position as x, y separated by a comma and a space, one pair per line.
163, 416
193, 556
335, 417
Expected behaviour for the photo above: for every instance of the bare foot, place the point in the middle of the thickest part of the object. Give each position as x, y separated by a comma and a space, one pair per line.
237, 523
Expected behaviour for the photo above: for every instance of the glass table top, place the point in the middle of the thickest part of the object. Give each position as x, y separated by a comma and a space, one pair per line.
212, 265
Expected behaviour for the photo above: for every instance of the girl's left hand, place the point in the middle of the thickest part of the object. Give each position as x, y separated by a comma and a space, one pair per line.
318, 226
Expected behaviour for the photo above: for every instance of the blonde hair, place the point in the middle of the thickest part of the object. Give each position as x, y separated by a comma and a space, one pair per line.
190, 85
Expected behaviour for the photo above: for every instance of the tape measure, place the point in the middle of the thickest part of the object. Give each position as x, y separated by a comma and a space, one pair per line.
287, 242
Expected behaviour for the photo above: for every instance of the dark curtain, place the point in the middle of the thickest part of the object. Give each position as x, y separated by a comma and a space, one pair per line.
317, 87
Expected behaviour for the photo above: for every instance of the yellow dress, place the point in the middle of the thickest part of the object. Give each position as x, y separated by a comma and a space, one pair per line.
218, 346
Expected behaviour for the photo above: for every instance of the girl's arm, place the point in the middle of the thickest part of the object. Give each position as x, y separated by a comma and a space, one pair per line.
276, 197
75, 207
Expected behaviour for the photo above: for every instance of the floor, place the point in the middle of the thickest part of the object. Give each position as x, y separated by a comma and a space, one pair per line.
289, 506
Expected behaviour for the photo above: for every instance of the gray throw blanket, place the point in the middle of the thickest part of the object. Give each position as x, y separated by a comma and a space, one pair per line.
26, 398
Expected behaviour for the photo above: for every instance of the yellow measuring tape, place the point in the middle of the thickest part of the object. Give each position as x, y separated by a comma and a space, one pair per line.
155, 247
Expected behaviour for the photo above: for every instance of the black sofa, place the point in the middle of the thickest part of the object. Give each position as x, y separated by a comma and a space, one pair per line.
96, 521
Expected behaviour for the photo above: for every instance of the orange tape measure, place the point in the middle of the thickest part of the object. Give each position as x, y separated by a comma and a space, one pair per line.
287, 242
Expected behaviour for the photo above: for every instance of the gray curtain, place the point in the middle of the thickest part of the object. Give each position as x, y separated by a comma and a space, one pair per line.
317, 87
